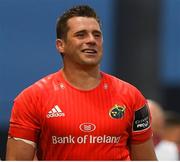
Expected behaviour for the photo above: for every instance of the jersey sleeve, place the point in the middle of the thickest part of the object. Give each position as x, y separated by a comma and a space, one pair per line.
24, 121
141, 123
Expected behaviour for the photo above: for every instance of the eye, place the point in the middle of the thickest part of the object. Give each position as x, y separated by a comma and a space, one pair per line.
80, 35
97, 35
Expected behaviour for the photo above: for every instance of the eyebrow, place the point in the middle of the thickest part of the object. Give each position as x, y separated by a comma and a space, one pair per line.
84, 31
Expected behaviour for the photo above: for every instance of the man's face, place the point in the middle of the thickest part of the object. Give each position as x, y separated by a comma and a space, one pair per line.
83, 45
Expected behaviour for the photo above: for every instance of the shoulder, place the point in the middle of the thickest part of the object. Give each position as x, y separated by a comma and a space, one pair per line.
120, 84
37, 88
126, 91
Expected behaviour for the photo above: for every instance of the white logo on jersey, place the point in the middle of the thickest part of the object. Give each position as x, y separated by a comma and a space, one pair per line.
61, 86
55, 112
105, 86
87, 127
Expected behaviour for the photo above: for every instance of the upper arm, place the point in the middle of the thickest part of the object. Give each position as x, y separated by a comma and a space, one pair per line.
19, 150
143, 151
24, 124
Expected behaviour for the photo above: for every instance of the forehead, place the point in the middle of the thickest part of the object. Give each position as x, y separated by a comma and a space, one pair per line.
83, 23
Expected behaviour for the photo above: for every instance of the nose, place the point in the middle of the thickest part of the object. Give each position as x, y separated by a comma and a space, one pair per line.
91, 39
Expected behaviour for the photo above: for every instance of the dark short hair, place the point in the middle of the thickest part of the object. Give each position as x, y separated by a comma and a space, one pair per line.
81, 10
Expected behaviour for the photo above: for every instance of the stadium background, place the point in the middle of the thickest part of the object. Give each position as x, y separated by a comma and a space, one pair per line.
141, 45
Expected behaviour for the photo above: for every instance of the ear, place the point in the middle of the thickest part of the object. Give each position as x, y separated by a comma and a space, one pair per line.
60, 45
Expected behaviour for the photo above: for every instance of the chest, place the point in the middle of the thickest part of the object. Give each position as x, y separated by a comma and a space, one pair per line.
74, 113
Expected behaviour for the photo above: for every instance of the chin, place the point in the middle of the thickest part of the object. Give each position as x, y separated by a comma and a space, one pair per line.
90, 64
92, 61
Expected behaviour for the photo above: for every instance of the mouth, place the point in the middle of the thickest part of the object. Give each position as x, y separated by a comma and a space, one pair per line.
89, 51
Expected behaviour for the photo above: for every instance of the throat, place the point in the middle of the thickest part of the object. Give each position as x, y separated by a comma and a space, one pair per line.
82, 80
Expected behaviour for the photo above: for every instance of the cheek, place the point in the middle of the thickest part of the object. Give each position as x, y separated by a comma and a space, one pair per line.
75, 45
69, 47
100, 45
101, 42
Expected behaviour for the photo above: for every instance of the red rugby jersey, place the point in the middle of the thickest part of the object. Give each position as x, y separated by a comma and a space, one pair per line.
72, 124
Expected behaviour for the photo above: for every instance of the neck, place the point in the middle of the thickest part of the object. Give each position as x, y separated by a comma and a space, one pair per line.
84, 79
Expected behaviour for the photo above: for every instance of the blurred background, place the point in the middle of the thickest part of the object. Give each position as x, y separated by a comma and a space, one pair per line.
141, 46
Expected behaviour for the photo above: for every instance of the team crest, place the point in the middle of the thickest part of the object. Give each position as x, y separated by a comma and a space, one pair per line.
117, 111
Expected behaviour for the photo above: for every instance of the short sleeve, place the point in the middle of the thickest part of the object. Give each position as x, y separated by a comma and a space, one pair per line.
24, 121
141, 123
